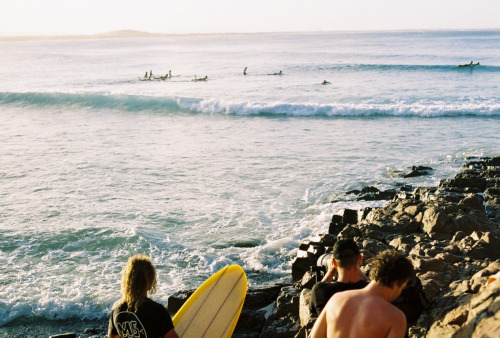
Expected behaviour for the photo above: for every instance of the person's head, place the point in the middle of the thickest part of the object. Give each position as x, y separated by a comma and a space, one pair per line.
138, 277
346, 253
392, 269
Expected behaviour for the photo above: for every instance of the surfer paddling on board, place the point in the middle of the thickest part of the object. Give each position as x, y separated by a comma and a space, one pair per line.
196, 79
136, 315
470, 64
368, 312
279, 73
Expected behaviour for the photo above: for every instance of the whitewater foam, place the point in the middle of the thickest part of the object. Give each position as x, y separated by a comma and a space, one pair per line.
170, 105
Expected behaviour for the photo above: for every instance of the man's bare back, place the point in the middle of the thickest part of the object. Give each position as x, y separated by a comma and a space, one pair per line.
362, 313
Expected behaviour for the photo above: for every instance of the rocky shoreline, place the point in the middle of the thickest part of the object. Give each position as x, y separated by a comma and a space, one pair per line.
451, 234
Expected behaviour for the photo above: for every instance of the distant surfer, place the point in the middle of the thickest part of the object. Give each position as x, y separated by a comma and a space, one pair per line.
325, 82
467, 64
170, 74
146, 75
200, 79
245, 71
135, 312
280, 73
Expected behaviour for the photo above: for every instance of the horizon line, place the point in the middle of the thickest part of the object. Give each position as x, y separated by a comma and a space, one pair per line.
129, 33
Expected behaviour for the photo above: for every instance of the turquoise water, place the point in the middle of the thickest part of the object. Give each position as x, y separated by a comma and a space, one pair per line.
97, 166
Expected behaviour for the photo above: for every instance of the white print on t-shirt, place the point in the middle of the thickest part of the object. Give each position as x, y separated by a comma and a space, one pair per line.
129, 326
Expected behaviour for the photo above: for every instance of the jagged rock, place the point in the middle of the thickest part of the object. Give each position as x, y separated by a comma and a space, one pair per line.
302, 264
342, 218
306, 317
449, 257
453, 249
309, 252
485, 248
283, 321
308, 280
175, 301
405, 244
478, 183
316, 249
472, 202
374, 194
372, 246
435, 221
429, 264
324, 239
350, 232
481, 277
410, 207
483, 319
287, 301
431, 288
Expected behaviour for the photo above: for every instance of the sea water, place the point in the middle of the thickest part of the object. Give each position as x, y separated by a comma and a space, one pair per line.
97, 166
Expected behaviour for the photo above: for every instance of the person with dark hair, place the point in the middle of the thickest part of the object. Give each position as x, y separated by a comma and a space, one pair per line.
136, 315
368, 312
345, 262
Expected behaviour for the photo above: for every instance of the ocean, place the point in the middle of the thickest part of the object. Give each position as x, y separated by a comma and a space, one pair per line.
97, 166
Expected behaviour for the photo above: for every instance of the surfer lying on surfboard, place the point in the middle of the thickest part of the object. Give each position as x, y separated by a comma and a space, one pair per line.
471, 64
200, 79
280, 73
136, 315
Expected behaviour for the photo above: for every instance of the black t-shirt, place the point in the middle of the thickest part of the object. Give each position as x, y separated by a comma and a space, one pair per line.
151, 320
323, 291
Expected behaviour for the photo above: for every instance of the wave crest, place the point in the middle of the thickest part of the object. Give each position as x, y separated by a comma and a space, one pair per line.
170, 105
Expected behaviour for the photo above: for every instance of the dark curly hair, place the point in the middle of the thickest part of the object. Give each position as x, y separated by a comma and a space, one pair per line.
391, 266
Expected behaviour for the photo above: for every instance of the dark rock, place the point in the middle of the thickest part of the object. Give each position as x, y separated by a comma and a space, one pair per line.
324, 239
178, 299
435, 220
477, 183
301, 265
418, 171
472, 202
342, 218
308, 280
350, 232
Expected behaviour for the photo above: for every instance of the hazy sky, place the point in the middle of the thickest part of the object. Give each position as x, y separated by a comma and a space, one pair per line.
64, 17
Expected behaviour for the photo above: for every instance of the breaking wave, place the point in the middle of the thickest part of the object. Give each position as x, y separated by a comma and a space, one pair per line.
480, 107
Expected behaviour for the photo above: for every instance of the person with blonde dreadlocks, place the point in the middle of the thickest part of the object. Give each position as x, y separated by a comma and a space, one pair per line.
136, 315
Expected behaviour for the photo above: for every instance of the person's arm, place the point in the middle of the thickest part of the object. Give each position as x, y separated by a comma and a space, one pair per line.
319, 328
362, 276
171, 334
332, 272
398, 329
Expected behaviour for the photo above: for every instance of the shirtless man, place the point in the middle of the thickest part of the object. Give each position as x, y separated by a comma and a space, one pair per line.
368, 312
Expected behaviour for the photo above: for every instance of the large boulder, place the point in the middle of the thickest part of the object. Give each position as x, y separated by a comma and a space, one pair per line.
435, 221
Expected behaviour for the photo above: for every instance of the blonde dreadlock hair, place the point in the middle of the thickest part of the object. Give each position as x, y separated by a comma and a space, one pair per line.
138, 276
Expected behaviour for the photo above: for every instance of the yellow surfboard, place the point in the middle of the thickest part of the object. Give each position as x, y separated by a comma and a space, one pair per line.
214, 308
